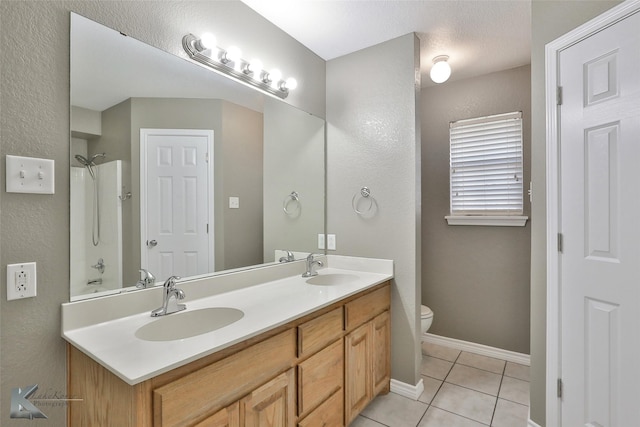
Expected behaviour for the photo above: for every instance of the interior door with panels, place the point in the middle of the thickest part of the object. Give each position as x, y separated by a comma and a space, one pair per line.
599, 162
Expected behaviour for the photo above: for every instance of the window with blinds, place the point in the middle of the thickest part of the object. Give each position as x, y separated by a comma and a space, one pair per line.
486, 171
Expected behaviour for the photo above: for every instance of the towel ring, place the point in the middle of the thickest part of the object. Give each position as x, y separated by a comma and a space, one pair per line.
365, 193
291, 199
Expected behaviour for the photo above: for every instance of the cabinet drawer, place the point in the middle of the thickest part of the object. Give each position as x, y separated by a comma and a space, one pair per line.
319, 377
315, 334
215, 386
329, 414
366, 307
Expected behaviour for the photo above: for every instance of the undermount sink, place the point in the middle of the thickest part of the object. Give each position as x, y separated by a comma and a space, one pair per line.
332, 279
188, 324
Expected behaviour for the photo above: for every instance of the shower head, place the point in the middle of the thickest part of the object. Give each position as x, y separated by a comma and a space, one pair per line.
95, 156
82, 159
89, 162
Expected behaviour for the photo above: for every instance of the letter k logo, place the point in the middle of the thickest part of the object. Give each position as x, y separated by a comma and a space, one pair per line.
21, 407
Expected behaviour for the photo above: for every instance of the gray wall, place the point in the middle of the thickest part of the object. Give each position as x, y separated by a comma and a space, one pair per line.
294, 146
474, 278
242, 176
550, 19
34, 119
373, 140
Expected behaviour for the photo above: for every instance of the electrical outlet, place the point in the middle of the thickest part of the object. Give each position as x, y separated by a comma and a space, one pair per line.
21, 280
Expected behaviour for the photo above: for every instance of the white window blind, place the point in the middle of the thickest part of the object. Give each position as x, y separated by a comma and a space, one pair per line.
486, 165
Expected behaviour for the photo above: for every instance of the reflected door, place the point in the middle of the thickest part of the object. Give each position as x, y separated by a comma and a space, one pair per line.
176, 208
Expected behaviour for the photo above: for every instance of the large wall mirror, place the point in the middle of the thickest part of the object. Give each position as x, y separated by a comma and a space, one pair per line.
178, 170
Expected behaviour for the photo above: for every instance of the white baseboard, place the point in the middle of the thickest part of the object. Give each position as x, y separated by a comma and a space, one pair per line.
484, 350
532, 424
407, 390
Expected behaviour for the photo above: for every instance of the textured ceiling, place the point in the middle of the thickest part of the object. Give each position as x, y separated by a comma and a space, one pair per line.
480, 36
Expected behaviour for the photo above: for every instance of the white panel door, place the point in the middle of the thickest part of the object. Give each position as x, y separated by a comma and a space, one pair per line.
600, 224
176, 202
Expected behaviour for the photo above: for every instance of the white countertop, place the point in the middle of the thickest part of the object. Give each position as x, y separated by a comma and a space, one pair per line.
113, 344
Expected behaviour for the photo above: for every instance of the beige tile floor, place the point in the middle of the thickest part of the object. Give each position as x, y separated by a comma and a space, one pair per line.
461, 389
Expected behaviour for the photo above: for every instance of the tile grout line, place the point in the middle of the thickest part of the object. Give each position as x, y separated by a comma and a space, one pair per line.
495, 407
456, 361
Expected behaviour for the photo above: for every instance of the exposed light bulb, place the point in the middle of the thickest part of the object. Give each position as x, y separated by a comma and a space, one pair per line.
233, 54
255, 67
207, 41
274, 76
291, 83
441, 70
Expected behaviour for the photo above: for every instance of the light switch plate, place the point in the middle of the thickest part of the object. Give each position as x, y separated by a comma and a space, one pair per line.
30, 175
234, 202
331, 242
321, 241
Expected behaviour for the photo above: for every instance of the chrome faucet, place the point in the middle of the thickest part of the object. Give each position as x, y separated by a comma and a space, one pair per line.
171, 295
288, 258
310, 264
147, 281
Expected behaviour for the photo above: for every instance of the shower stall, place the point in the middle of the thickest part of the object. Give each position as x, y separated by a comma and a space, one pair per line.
96, 226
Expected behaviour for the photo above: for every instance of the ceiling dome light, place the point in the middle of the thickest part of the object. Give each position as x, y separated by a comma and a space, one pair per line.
441, 70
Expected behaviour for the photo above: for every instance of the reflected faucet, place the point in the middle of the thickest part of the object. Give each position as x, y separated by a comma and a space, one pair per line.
310, 264
170, 297
288, 258
147, 281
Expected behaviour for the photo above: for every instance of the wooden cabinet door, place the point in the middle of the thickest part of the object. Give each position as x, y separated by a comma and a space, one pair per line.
358, 389
273, 404
381, 343
227, 417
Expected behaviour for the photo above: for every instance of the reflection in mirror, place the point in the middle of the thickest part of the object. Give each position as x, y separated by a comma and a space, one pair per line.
176, 170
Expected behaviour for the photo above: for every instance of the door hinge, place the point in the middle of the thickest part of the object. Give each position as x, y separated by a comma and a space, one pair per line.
559, 388
559, 95
207, 228
206, 157
560, 242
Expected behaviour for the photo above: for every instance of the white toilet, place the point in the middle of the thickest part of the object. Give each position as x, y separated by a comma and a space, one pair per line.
426, 317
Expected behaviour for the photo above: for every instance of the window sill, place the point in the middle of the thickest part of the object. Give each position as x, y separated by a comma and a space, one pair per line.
492, 221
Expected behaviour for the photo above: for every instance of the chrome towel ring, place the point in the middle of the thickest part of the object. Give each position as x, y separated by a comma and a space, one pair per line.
291, 204
365, 193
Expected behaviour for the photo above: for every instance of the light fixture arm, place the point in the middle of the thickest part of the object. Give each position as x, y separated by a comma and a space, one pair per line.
193, 47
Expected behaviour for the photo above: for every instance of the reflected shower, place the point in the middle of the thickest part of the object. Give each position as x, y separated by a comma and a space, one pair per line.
90, 164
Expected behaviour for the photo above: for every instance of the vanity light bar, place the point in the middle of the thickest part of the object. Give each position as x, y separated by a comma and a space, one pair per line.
236, 67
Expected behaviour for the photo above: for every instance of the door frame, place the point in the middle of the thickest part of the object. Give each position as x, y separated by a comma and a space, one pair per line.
552, 71
209, 134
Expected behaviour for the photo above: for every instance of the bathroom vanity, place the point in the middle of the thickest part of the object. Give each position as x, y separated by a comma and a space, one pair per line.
317, 364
